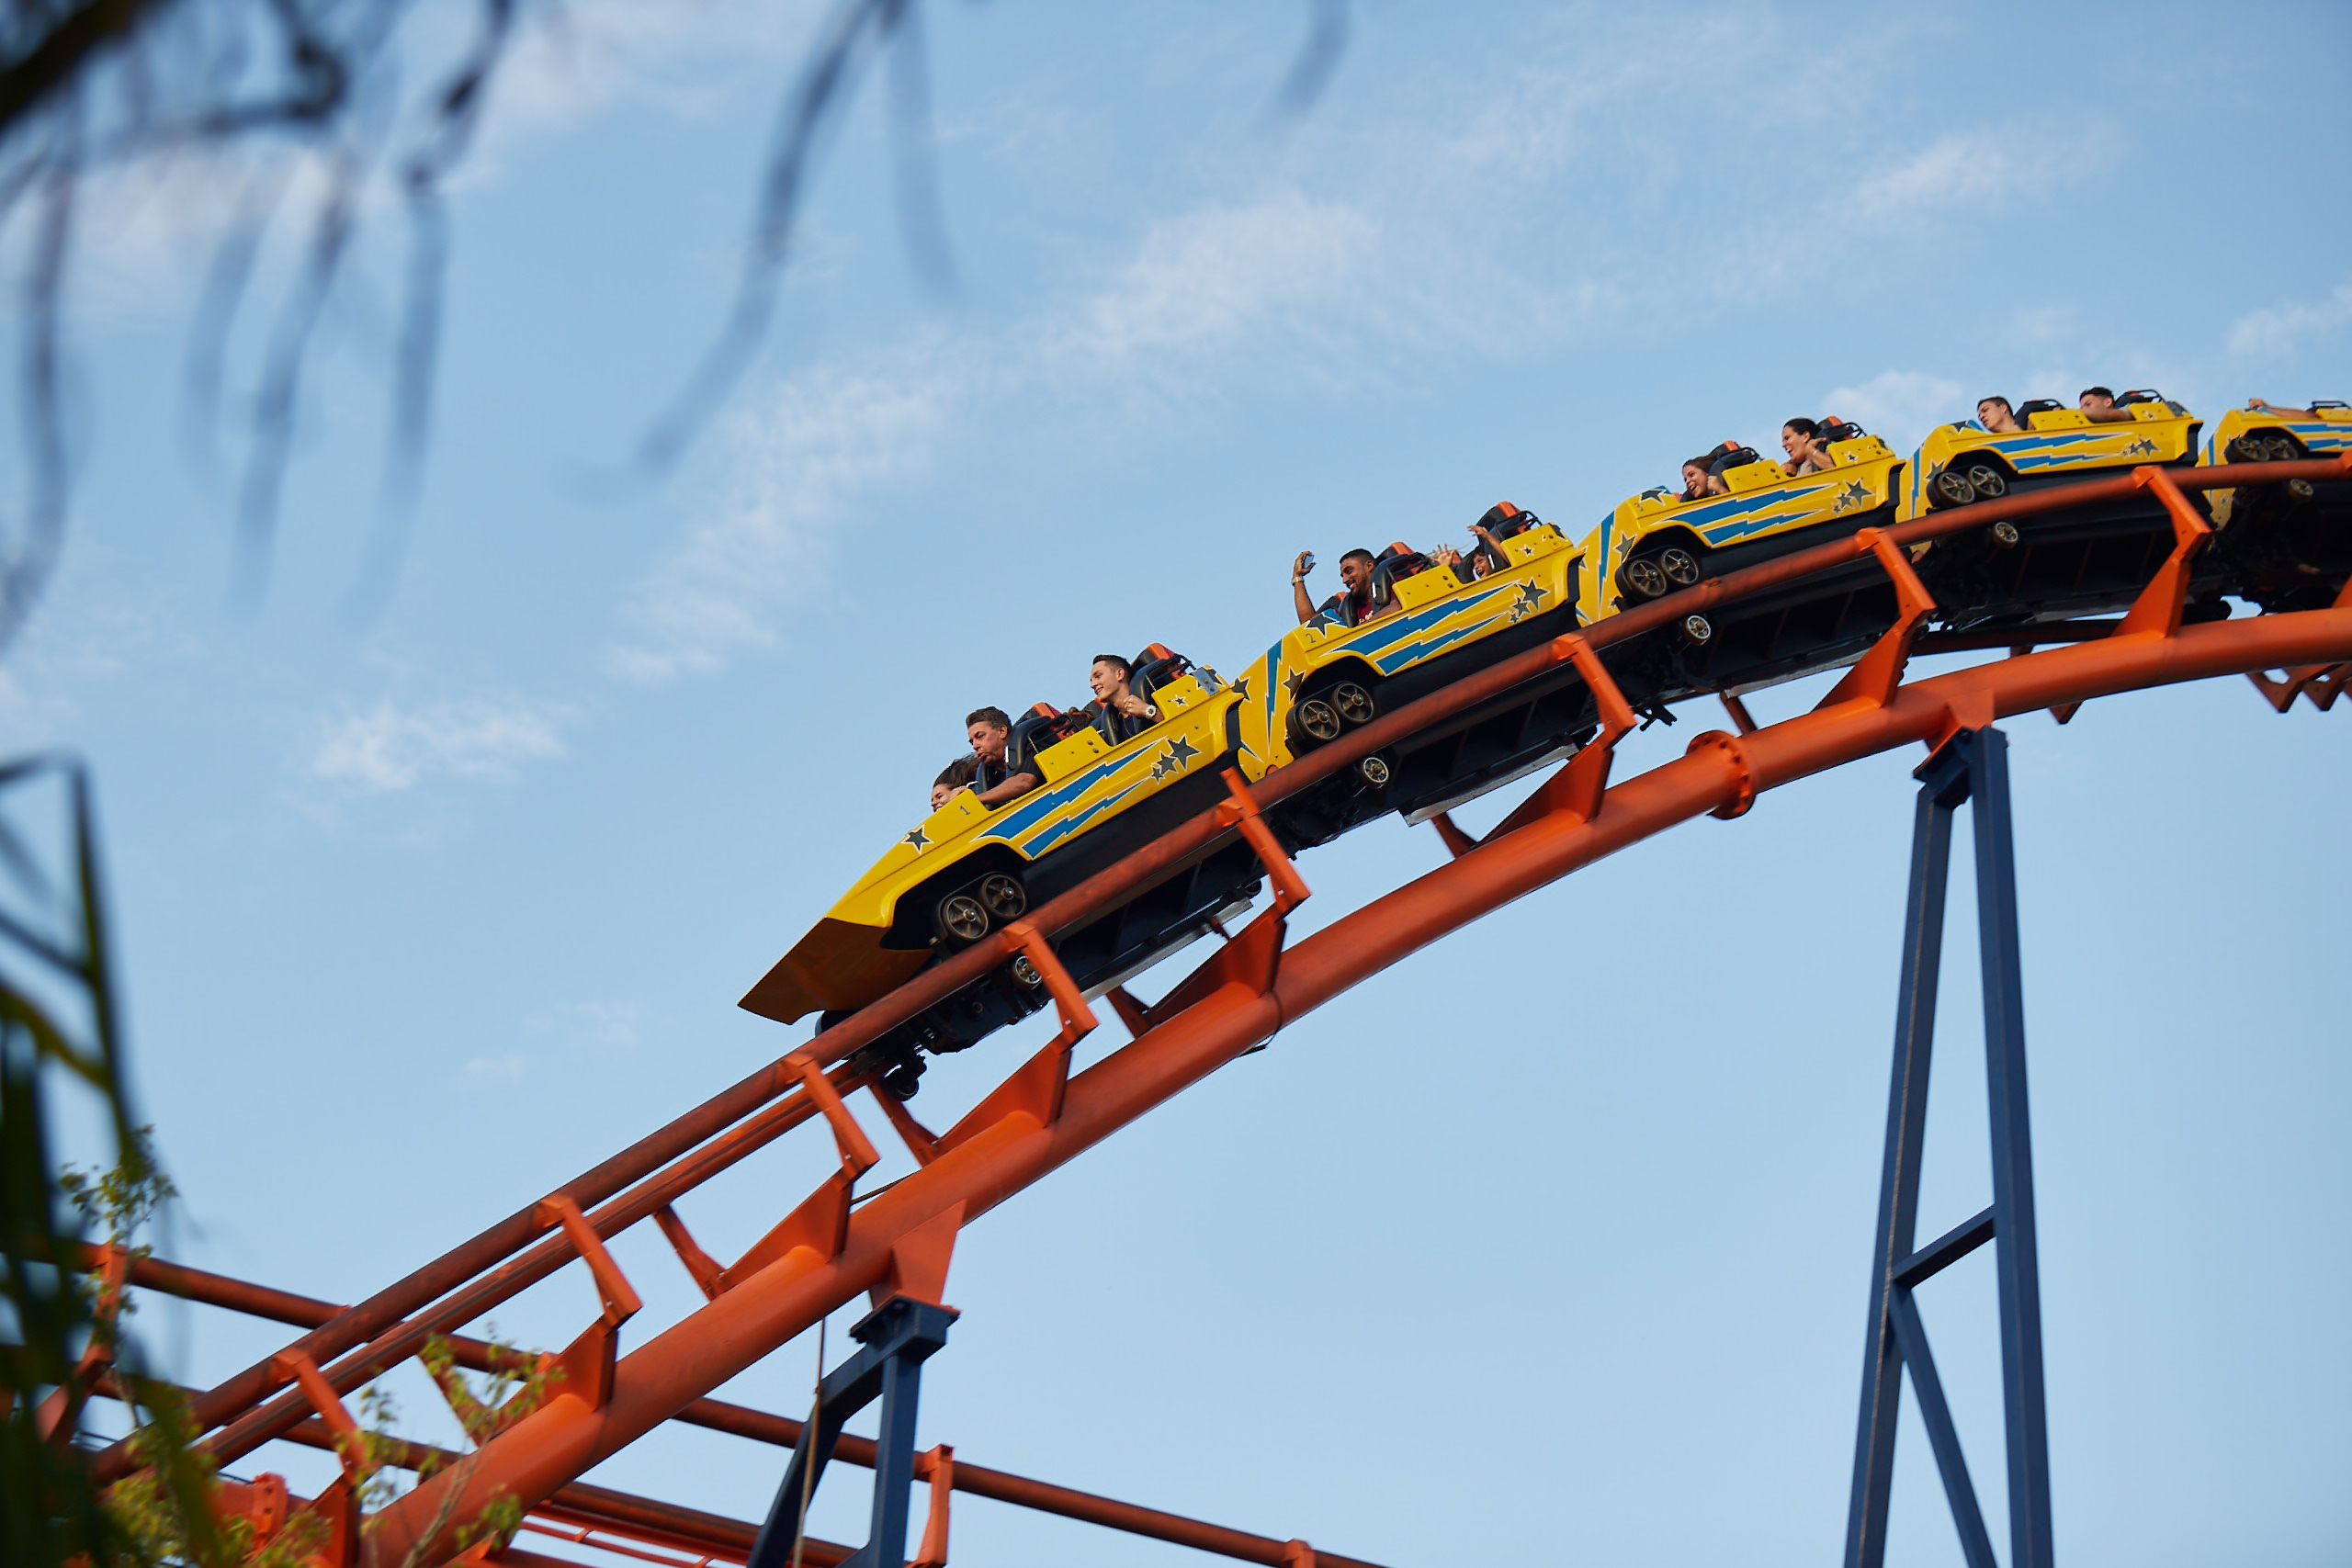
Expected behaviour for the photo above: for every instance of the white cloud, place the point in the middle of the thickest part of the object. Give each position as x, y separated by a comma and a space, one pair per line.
607, 1026
497, 1070
823, 437
386, 749
2279, 331
1208, 279
1969, 170
1901, 406
1382, 244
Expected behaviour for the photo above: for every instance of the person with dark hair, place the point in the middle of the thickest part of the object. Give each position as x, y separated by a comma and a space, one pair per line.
952, 777
1995, 415
1354, 605
2098, 404
996, 777
1699, 480
1808, 453
1119, 715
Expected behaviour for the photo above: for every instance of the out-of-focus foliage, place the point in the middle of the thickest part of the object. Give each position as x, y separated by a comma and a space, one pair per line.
61, 1030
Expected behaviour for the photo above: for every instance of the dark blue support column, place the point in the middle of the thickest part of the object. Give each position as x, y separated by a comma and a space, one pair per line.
2019, 1268
897, 1338
1974, 766
1898, 1194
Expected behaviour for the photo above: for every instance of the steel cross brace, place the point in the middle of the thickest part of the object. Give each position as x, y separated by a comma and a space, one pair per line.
898, 1336
1972, 766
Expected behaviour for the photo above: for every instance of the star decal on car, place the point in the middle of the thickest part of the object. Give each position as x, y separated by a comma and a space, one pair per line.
1531, 597
1854, 493
1180, 751
1241, 688
1294, 683
917, 839
2141, 447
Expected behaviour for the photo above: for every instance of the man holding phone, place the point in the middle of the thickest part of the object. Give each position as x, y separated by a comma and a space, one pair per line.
1354, 607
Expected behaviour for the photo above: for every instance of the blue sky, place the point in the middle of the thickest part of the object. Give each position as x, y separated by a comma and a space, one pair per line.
1549, 1242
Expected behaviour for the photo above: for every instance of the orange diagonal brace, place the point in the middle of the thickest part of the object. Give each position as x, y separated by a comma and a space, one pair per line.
1576, 789
350, 1442
1240, 811
921, 1141
2157, 610
1078, 1018
1457, 842
858, 1153
699, 1264
621, 1302
1877, 674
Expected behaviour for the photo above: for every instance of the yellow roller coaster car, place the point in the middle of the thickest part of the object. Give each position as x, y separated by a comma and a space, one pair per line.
1657, 542
1326, 677
968, 868
2267, 435
2282, 546
1963, 461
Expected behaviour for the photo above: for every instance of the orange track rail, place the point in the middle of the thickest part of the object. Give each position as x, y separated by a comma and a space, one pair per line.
825, 1253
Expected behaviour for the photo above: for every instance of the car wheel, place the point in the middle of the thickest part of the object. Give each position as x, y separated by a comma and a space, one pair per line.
1680, 567
1698, 628
1642, 577
961, 917
1987, 481
1951, 488
901, 1081
2247, 449
2285, 449
1319, 719
1374, 771
1003, 897
1353, 703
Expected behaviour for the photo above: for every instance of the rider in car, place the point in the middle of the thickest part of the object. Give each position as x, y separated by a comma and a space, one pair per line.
2098, 404
1118, 714
1352, 607
994, 780
952, 777
1995, 415
1698, 483
1808, 453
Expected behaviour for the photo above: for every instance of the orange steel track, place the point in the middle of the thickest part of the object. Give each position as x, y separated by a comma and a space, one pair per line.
825, 1253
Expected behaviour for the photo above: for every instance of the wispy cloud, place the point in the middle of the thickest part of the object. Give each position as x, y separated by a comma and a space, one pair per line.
2282, 330
609, 1027
1562, 205
497, 1070
1901, 406
1967, 170
387, 748
821, 438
